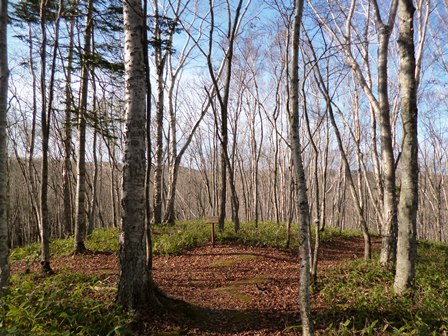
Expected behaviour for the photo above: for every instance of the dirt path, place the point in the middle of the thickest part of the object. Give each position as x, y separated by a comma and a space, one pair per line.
242, 290
232, 289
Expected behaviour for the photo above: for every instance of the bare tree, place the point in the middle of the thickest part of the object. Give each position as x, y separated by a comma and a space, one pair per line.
46, 113
408, 204
80, 206
4, 73
389, 230
174, 75
68, 127
299, 176
353, 42
223, 99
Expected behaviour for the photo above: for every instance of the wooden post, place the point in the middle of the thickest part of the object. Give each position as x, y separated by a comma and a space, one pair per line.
212, 220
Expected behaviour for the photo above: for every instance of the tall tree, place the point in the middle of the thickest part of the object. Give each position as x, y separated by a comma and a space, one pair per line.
162, 26
46, 112
27, 11
299, 176
68, 126
80, 212
348, 37
389, 229
223, 96
408, 203
4, 73
135, 287
148, 138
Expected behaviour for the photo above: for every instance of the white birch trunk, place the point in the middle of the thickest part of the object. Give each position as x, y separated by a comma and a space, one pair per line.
135, 283
299, 178
408, 204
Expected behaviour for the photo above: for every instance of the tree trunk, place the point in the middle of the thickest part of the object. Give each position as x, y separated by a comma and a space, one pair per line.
31, 180
299, 178
68, 133
408, 204
175, 164
135, 289
45, 124
389, 221
94, 200
80, 211
314, 168
148, 138
4, 73
160, 61
344, 162
158, 170
223, 98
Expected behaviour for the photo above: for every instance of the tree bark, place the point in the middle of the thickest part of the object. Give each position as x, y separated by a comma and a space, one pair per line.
299, 178
389, 222
68, 132
80, 211
160, 56
45, 125
408, 204
4, 74
31, 179
135, 289
145, 36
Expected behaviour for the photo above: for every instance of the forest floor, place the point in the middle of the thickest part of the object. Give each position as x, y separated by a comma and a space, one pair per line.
228, 289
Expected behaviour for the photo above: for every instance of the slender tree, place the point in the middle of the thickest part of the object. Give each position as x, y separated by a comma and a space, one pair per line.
408, 203
223, 96
299, 176
379, 105
4, 73
146, 45
389, 229
160, 57
68, 127
46, 112
80, 211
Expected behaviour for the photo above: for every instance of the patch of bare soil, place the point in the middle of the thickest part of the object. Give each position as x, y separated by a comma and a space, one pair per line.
239, 290
230, 289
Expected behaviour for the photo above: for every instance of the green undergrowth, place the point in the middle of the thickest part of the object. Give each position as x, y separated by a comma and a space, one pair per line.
359, 299
352, 298
173, 239
62, 304
101, 240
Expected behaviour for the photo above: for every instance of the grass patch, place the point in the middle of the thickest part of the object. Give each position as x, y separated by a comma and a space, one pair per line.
359, 299
231, 262
174, 239
63, 304
235, 289
235, 293
101, 240
252, 281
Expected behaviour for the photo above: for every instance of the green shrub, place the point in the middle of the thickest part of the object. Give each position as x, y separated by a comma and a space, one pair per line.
103, 240
362, 300
63, 304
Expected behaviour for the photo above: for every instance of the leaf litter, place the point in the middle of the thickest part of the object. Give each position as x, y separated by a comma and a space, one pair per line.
230, 289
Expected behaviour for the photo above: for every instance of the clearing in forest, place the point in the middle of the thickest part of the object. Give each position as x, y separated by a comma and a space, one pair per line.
230, 289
